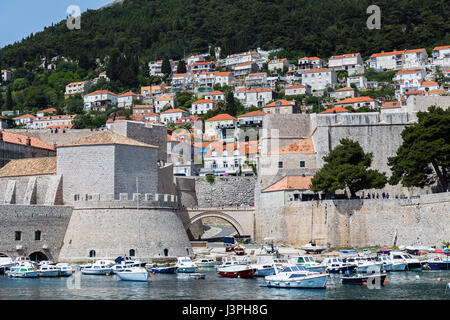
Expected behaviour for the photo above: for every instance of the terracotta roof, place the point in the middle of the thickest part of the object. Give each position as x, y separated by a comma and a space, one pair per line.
310, 58
129, 93
250, 147
107, 137
257, 74
217, 73
216, 92
203, 101
347, 55
25, 116
413, 92
353, 100
437, 91
441, 47
295, 86
16, 138
317, 70
178, 75
163, 98
221, 117
429, 83
391, 104
277, 60
101, 92
60, 127
49, 110
303, 146
260, 90
409, 71
346, 89
335, 110
173, 111
283, 103
29, 167
415, 50
386, 54
252, 114
291, 183
76, 83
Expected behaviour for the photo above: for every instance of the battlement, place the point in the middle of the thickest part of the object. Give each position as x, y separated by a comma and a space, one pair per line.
125, 200
363, 119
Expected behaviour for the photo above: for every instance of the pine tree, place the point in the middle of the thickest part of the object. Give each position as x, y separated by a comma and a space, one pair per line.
181, 68
9, 99
166, 67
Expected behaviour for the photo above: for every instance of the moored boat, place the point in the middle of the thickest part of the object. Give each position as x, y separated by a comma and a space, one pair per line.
337, 265
133, 274
65, 270
185, 265
412, 264
361, 279
237, 271
23, 270
48, 270
205, 263
100, 267
313, 248
437, 263
308, 263
161, 268
293, 276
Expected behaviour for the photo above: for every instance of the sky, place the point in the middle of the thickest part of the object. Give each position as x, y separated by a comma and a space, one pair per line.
20, 18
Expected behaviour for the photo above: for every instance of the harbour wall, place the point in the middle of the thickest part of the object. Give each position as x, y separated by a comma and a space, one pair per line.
422, 220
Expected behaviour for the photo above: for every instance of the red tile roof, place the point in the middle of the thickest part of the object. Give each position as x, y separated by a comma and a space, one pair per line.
253, 114
336, 110
346, 89
441, 47
174, 110
317, 70
303, 146
354, 100
25, 116
291, 183
222, 117
391, 104
347, 55
381, 54
409, 71
101, 92
203, 101
283, 103
21, 139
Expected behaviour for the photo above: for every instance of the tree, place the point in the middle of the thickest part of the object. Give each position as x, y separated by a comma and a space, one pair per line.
424, 156
231, 106
346, 166
166, 68
181, 68
9, 99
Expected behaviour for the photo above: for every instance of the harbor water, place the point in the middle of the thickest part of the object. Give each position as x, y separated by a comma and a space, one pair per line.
408, 285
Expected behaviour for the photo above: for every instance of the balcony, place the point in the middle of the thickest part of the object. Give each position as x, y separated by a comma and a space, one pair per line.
253, 123
225, 126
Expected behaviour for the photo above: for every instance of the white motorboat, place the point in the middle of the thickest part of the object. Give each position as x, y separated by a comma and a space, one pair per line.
391, 265
313, 248
65, 269
100, 267
205, 263
404, 258
133, 274
364, 264
308, 263
264, 266
233, 260
44, 263
6, 262
23, 270
237, 271
185, 265
48, 270
292, 276
338, 265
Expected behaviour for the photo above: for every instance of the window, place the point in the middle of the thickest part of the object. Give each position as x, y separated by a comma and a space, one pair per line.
166, 252
302, 164
37, 235
280, 164
92, 254
18, 235
132, 252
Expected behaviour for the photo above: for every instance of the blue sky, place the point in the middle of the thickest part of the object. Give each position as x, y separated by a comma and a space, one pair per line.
19, 18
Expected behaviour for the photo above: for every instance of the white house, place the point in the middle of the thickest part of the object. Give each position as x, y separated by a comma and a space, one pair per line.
205, 79
293, 76
277, 64
182, 81
215, 96
358, 81
6, 75
26, 119
126, 100
196, 58
256, 80
319, 79
156, 66
416, 58
53, 122
202, 106
242, 69
172, 115
48, 111
429, 86
258, 97
410, 74
203, 66
351, 62
296, 90
358, 102
239, 58
224, 78
308, 63
344, 93
100, 100
163, 102
441, 56
77, 88
386, 60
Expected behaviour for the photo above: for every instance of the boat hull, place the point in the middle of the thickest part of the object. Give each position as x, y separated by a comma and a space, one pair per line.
49, 274
264, 272
164, 270
65, 273
341, 269
100, 272
414, 266
133, 276
315, 282
31, 274
438, 265
359, 280
369, 268
319, 269
399, 267
246, 274
186, 269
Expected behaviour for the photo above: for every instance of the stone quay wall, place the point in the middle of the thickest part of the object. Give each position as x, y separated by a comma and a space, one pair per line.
51, 221
422, 220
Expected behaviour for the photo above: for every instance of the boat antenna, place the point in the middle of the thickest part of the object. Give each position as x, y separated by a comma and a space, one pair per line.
138, 218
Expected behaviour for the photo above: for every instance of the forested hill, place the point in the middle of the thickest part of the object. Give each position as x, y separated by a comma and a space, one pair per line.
155, 28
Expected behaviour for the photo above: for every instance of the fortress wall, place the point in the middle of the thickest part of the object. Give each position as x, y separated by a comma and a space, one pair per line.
42, 185
355, 223
52, 221
113, 232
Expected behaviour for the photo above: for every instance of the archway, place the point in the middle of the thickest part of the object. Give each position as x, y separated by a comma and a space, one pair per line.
38, 256
216, 226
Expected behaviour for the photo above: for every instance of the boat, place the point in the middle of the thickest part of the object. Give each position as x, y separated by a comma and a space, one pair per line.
48, 270
337, 265
239, 250
205, 263
65, 270
387, 263
129, 262
233, 260
100, 267
23, 270
44, 263
437, 263
133, 274
264, 266
308, 263
293, 276
185, 265
313, 248
364, 265
162, 268
197, 275
6, 263
411, 263
364, 279
237, 271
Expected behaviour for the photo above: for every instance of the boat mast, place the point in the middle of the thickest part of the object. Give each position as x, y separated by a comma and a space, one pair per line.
138, 218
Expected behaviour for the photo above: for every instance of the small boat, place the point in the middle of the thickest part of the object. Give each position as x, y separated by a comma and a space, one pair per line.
387, 263
6, 263
361, 279
206, 263
133, 274
365, 265
293, 276
48, 270
237, 271
313, 248
233, 260
129, 262
100, 267
161, 268
185, 265
65, 270
411, 263
337, 265
23, 270
44, 263
239, 250
437, 263
308, 263
197, 275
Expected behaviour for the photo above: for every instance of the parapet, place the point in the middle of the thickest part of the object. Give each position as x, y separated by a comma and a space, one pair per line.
125, 200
